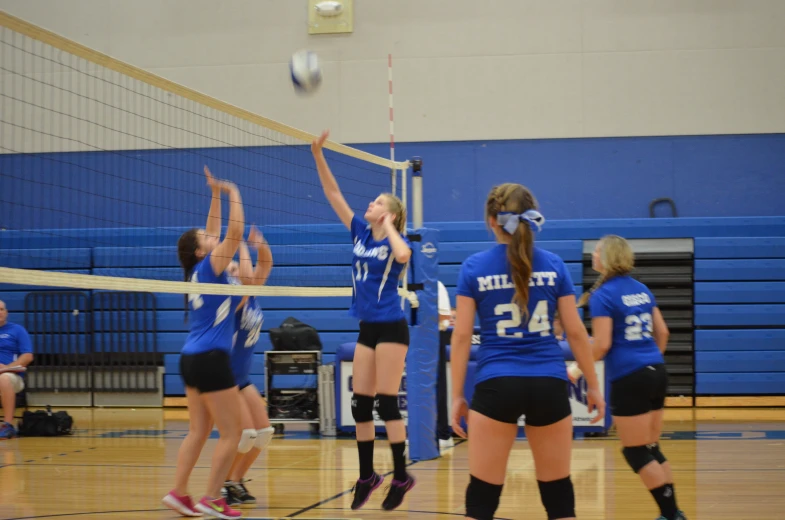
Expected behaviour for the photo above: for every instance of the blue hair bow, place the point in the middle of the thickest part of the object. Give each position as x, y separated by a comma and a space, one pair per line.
510, 221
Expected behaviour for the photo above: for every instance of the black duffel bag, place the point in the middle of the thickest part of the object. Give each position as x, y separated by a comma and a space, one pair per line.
295, 335
45, 423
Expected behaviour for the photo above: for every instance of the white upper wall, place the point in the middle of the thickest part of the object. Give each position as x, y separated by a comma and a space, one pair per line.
464, 70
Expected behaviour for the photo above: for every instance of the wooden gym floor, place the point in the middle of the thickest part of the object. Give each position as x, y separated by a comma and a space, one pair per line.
729, 464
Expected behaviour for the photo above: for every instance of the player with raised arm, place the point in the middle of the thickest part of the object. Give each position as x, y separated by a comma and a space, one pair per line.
257, 432
210, 389
515, 288
630, 333
381, 252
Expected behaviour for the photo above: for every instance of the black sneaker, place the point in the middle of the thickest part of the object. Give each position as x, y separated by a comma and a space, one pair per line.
239, 492
396, 492
363, 489
679, 516
232, 498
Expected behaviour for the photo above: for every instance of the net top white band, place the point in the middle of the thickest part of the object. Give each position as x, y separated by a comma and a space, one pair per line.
111, 283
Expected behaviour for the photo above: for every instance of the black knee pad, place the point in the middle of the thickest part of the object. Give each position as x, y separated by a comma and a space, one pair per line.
637, 457
482, 499
654, 449
558, 497
362, 408
388, 408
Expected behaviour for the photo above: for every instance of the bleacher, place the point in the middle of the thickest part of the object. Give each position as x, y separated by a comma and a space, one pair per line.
740, 315
739, 288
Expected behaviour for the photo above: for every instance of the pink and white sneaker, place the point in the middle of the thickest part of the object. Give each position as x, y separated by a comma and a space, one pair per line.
182, 504
217, 508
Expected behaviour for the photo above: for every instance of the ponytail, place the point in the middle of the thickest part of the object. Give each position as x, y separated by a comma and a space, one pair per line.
396, 207
515, 210
186, 253
584, 299
520, 254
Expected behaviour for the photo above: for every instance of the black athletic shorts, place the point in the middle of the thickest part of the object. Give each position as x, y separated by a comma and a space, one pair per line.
543, 400
641, 392
371, 334
207, 371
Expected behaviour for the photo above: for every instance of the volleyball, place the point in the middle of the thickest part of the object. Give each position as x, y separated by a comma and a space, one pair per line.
306, 72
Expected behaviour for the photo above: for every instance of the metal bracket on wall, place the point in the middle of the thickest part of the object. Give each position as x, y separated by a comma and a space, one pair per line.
661, 200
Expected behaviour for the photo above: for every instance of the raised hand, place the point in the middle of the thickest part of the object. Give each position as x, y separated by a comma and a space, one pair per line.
212, 182
255, 237
318, 143
386, 218
220, 184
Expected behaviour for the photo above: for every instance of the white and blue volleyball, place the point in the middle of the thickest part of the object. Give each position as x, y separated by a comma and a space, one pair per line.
306, 72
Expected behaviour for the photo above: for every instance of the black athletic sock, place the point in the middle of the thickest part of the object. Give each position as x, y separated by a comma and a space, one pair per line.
365, 451
666, 500
673, 488
399, 461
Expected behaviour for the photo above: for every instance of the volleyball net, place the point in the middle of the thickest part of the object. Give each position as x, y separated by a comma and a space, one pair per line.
102, 169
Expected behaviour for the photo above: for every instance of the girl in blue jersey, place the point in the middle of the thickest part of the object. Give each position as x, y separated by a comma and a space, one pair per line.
248, 319
515, 288
381, 252
630, 333
210, 388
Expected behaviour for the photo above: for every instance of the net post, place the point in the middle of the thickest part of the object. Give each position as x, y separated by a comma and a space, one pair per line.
416, 163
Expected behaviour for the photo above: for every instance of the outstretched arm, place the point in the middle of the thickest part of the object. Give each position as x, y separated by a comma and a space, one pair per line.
213, 226
224, 252
329, 184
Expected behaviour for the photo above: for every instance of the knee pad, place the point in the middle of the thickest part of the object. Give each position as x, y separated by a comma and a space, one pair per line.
263, 437
637, 457
654, 449
247, 440
388, 408
362, 408
482, 499
558, 497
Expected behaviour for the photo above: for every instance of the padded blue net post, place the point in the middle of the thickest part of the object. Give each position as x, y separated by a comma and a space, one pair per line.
423, 356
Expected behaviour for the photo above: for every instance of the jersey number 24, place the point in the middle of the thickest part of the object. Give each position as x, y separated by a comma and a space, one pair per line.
537, 323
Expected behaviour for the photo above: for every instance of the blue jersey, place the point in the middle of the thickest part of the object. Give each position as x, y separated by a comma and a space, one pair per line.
248, 326
211, 326
629, 304
14, 341
375, 274
510, 346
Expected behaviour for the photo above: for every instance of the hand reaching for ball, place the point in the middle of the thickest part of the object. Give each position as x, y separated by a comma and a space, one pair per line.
318, 143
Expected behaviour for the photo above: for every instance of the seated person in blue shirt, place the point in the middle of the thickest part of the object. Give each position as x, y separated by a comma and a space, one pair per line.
16, 352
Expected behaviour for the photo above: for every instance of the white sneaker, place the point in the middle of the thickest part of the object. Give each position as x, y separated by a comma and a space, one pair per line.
446, 443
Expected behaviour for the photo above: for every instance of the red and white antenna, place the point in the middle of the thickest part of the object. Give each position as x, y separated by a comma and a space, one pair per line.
393, 171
